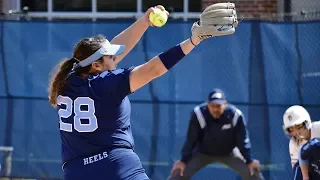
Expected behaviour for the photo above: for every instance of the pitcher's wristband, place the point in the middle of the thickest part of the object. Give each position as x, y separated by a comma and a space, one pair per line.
172, 56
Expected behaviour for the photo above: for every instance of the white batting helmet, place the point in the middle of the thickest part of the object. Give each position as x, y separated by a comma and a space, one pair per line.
295, 115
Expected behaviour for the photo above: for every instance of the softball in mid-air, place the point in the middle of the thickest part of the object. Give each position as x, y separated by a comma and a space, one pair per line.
158, 17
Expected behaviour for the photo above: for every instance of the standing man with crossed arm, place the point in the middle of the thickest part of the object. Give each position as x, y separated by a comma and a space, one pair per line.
217, 131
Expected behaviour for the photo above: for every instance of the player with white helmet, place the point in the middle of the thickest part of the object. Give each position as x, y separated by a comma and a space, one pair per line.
297, 125
293, 118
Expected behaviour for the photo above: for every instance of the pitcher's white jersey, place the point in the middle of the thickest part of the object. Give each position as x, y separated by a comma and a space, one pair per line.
295, 145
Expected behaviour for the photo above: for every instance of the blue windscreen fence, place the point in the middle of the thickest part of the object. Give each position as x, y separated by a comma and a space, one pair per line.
263, 68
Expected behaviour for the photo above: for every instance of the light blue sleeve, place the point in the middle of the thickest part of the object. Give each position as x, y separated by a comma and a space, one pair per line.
302, 161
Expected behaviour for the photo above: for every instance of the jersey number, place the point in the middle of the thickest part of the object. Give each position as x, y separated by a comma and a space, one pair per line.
78, 114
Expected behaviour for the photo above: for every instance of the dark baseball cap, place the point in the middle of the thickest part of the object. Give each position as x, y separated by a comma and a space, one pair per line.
216, 96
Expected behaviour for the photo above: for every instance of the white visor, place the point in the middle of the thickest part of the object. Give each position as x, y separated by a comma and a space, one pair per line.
106, 49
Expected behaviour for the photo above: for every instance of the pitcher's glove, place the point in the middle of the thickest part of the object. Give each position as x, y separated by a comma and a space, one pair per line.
216, 20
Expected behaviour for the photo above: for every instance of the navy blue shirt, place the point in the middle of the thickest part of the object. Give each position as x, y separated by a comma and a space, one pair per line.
310, 152
95, 113
216, 137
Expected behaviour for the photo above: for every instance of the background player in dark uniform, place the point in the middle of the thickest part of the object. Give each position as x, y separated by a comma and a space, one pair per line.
310, 158
91, 98
217, 131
